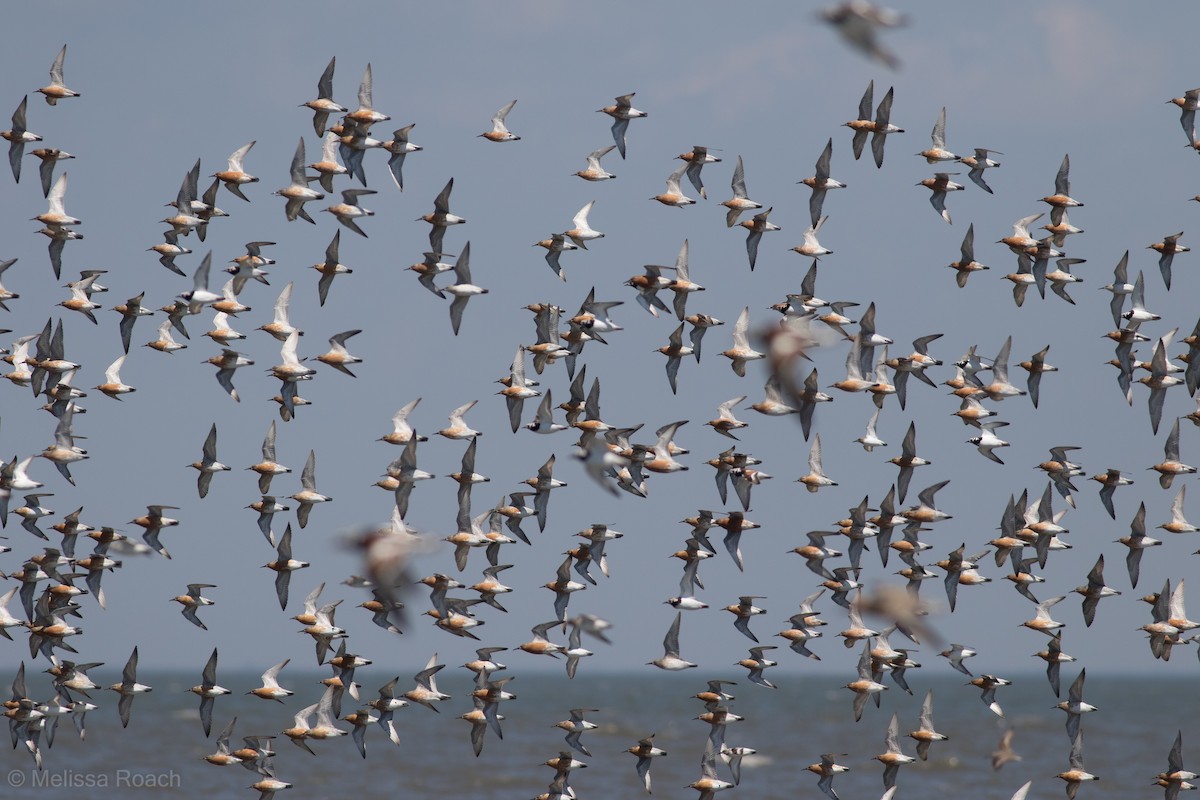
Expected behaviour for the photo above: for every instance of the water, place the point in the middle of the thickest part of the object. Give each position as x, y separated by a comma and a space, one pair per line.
160, 754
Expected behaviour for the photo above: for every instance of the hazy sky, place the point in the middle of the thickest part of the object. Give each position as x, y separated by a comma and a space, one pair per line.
1034, 81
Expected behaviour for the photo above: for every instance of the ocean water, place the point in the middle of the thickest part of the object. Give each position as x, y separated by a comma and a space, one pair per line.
161, 753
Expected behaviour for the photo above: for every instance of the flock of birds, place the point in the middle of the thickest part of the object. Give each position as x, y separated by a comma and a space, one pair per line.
618, 459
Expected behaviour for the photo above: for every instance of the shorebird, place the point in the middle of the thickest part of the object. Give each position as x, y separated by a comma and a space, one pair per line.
893, 758
675, 350
268, 468
325, 726
57, 90
555, 246
323, 105
857, 632
542, 484
820, 183
858, 22
1120, 288
576, 726
826, 770
193, 601
863, 124
725, 421
740, 201
540, 645
297, 192
366, 114
594, 172
283, 566
56, 217
49, 156
349, 210
234, 176
64, 451
925, 735
879, 128
939, 185
270, 689
426, 692
622, 111
208, 465
130, 310
865, 686
81, 297
670, 659
757, 664
337, 356
1137, 312
387, 704
980, 162
1166, 250
1187, 111
5, 294
988, 684
709, 784
17, 137
462, 289
870, 439
429, 268
816, 552
987, 441
926, 511
458, 428
741, 353
811, 247
1109, 481
907, 461
31, 511
745, 610
1094, 591
563, 587
517, 390
354, 140
399, 146
937, 150
308, 496
1171, 466
112, 386
1003, 754
1054, 657
1176, 777
208, 691
441, 218
330, 268
1076, 774
499, 133
1061, 199
1178, 523
543, 421
280, 327
328, 166
645, 750
696, 158
581, 233
674, 196
128, 688
757, 225
1137, 541
1042, 622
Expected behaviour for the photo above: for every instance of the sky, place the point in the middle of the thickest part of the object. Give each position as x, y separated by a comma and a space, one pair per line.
1032, 81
